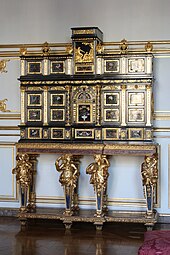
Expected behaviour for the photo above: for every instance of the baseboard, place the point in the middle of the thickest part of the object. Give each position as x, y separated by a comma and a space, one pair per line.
9, 212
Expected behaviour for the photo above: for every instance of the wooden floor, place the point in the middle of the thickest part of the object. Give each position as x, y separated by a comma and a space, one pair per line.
51, 238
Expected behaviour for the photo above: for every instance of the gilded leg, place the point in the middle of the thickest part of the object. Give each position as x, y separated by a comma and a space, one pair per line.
23, 177
69, 168
99, 175
149, 173
32, 195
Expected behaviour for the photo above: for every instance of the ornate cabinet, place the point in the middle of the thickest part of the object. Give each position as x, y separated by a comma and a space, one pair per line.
86, 100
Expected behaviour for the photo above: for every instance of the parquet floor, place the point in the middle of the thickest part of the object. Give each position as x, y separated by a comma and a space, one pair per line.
51, 238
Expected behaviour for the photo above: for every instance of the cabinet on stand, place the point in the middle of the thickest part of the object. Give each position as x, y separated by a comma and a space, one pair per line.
85, 101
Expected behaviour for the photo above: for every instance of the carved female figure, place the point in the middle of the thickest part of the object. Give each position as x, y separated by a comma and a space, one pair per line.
99, 175
68, 178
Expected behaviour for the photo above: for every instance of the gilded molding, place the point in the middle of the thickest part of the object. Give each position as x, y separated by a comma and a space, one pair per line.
161, 115
60, 146
131, 147
87, 82
11, 116
83, 31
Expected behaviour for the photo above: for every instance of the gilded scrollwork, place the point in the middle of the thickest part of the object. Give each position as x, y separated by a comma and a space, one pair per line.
3, 64
46, 48
99, 48
149, 170
123, 46
69, 49
23, 51
3, 106
23, 170
149, 46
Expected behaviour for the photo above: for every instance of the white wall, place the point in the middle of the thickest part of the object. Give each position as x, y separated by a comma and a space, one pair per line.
41, 20
37, 21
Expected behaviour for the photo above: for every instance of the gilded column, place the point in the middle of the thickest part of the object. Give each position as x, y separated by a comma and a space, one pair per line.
23, 177
98, 111
45, 69
123, 105
99, 175
149, 104
68, 112
149, 172
22, 68
45, 106
69, 66
22, 105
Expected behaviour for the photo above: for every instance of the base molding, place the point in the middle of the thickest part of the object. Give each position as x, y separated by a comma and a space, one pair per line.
162, 218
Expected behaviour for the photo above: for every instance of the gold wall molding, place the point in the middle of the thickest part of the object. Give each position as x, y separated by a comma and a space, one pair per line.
162, 136
161, 115
158, 48
9, 135
10, 116
161, 129
162, 56
9, 128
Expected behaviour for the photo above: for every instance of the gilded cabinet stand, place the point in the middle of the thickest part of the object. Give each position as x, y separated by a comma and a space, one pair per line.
68, 166
86, 100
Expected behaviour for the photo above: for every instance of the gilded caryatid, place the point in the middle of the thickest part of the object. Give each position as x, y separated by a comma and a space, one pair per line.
149, 172
23, 171
68, 178
99, 172
99, 175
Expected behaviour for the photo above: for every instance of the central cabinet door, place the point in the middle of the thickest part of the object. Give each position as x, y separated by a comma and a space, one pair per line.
84, 111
